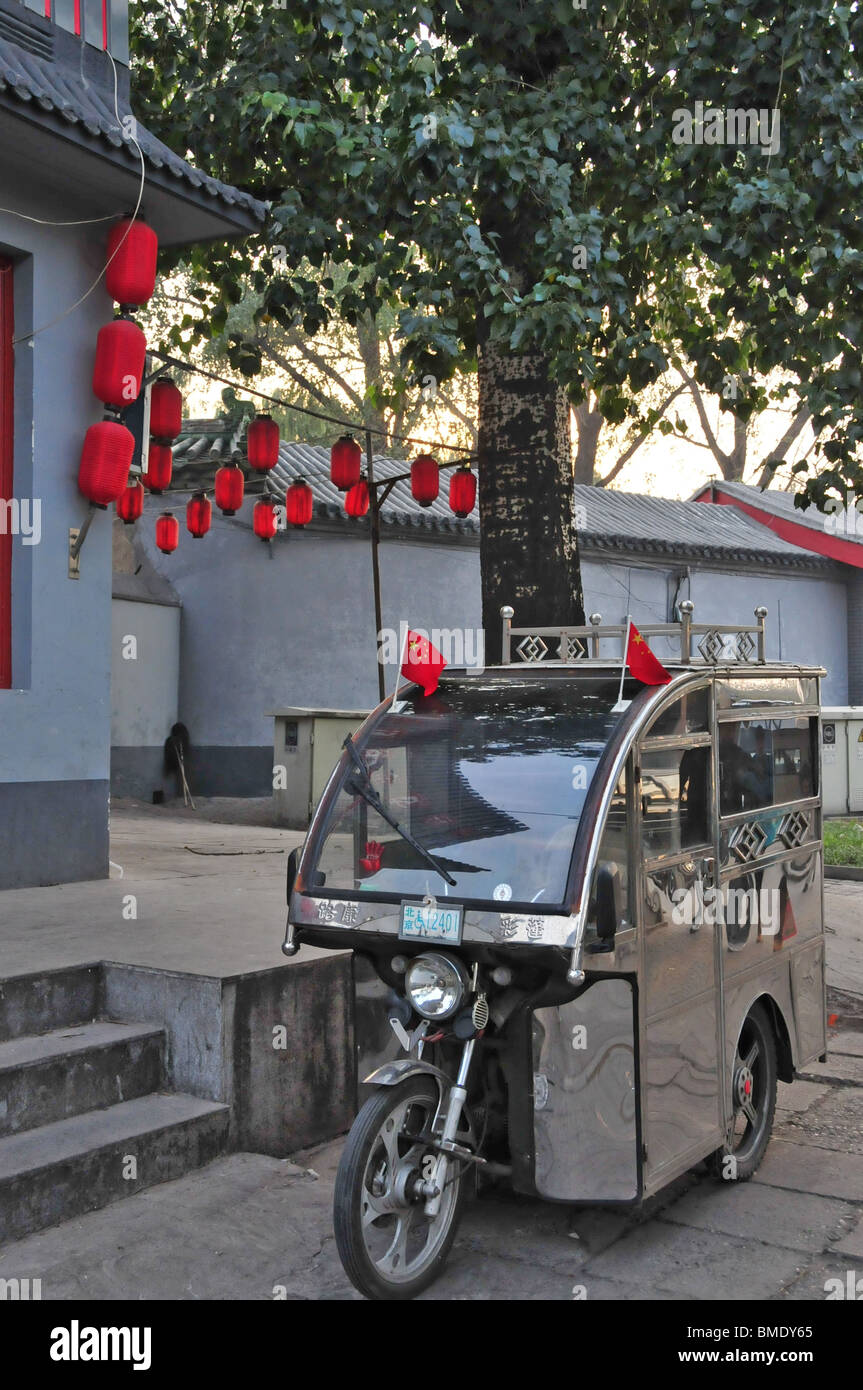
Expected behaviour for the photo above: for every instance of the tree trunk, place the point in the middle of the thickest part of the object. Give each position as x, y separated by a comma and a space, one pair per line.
589, 427
528, 544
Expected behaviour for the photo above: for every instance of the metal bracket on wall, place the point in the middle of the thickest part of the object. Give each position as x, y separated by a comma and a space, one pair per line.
77, 536
74, 552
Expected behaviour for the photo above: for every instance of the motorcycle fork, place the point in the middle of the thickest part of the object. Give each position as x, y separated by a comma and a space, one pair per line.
454, 1105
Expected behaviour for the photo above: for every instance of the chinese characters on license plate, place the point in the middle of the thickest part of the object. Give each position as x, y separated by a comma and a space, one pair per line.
439, 922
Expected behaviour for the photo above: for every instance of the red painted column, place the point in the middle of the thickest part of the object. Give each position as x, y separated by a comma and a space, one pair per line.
7, 420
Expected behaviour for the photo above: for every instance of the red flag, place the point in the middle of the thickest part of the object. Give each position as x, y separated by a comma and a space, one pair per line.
641, 661
423, 663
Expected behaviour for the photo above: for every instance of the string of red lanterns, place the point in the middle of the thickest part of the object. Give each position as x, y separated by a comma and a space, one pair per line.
118, 368
118, 375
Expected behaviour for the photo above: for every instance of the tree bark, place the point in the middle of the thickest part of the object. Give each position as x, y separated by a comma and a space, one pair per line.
528, 543
589, 425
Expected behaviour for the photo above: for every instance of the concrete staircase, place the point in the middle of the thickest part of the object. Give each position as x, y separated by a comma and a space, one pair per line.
85, 1115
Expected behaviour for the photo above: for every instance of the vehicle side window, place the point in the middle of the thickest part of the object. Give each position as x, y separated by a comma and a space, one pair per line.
688, 715
675, 799
763, 762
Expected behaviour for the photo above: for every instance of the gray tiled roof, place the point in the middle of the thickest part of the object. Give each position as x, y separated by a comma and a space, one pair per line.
608, 521
781, 504
634, 522
206, 444
57, 89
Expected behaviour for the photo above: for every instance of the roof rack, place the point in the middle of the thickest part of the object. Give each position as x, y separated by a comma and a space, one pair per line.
729, 642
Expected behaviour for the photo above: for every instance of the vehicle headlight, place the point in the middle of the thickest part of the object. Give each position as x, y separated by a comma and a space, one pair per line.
435, 985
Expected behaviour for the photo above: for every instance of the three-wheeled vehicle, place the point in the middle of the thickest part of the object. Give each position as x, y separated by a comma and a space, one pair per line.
588, 930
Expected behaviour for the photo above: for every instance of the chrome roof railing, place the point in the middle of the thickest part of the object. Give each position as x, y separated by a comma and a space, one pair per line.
715, 643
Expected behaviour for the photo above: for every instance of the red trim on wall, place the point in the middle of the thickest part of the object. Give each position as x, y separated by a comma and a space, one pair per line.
77, 16
104, 23
47, 9
806, 537
7, 423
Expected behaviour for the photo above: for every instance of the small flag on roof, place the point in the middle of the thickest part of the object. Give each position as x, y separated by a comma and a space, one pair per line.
641, 662
422, 662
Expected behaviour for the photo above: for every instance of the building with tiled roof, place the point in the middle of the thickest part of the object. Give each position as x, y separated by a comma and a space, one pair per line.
73, 160
291, 624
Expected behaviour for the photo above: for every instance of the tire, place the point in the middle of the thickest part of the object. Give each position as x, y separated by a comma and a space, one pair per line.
367, 1231
752, 1120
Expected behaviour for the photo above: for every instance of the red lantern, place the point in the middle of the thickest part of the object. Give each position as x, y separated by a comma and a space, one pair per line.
167, 533
462, 491
345, 461
130, 504
230, 486
357, 500
265, 519
262, 443
425, 479
166, 410
130, 277
199, 514
105, 462
160, 466
299, 503
119, 366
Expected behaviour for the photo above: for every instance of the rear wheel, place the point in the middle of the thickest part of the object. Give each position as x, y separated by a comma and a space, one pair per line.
387, 1244
753, 1098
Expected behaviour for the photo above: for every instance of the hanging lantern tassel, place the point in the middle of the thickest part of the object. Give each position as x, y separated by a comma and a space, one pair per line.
265, 519
167, 533
299, 503
462, 491
199, 514
425, 480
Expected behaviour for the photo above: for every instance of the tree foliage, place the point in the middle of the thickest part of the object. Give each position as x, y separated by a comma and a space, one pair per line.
508, 173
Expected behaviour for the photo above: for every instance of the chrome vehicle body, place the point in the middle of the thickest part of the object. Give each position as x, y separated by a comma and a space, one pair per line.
630, 898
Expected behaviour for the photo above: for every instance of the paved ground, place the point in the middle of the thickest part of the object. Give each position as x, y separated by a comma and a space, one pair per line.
253, 1227
209, 899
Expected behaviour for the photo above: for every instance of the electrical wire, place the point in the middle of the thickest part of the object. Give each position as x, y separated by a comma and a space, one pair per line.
28, 337
182, 366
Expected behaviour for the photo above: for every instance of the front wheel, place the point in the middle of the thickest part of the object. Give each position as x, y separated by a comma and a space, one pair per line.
387, 1244
753, 1099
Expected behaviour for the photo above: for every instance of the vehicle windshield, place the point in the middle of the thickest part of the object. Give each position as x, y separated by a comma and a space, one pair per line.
489, 775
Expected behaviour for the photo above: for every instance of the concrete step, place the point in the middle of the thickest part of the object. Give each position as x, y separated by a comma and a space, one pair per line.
51, 1076
76, 1165
52, 999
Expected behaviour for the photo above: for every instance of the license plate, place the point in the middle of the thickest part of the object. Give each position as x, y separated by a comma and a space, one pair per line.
442, 922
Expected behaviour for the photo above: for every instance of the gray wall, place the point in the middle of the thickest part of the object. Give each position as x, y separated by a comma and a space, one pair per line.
54, 725
144, 693
266, 627
806, 620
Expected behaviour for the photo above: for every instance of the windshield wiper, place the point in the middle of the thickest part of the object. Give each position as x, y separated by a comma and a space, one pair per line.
365, 789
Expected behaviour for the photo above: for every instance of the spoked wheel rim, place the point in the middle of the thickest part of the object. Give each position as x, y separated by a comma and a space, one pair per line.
399, 1239
749, 1092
